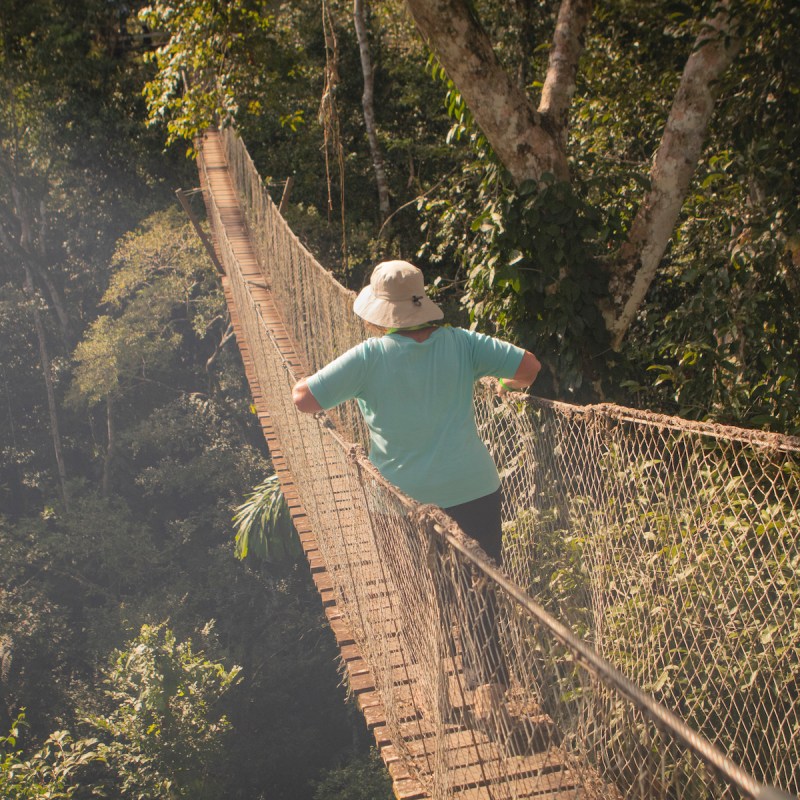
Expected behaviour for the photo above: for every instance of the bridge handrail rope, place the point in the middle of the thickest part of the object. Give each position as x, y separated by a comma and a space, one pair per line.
632, 568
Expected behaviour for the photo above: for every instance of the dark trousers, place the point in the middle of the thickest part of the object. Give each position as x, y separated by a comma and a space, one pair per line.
483, 659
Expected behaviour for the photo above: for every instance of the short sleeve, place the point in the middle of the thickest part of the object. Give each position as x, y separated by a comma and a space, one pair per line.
494, 357
340, 380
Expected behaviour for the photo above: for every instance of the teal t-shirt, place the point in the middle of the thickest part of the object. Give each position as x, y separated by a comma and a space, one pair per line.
416, 398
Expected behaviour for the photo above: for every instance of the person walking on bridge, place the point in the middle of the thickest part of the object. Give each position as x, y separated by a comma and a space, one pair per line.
414, 386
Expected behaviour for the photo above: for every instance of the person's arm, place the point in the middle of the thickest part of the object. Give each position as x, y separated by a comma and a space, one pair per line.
333, 384
303, 399
525, 375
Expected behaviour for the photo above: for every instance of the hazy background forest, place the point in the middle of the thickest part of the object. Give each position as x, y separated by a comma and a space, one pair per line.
129, 631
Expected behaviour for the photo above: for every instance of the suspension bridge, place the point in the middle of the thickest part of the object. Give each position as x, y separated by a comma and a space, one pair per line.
648, 607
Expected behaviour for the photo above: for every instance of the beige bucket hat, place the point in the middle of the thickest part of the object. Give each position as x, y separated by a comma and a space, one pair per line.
395, 297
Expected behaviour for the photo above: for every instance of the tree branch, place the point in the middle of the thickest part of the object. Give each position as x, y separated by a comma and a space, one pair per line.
562, 67
368, 105
523, 139
33, 257
56, 300
226, 337
6, 238
673, 167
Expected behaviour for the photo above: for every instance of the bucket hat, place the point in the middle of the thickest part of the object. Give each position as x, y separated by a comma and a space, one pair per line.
395, 297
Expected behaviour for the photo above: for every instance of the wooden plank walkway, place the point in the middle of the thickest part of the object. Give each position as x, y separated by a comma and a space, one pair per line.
476, 770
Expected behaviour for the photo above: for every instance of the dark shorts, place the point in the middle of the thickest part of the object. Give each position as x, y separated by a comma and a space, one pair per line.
480, 519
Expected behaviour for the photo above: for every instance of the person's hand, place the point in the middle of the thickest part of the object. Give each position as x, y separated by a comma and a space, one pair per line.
501, 387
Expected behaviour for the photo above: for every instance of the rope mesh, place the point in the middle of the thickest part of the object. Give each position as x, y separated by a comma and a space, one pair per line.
671, 548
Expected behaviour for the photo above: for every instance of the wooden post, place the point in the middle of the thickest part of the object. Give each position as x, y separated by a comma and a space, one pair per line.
287, 190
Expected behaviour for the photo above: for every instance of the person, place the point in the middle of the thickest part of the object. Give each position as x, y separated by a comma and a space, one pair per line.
414, 387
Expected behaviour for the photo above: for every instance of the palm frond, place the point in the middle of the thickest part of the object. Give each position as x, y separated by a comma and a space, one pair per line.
264, 527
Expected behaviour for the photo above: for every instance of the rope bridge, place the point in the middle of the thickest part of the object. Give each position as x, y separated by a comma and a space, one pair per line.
649, 564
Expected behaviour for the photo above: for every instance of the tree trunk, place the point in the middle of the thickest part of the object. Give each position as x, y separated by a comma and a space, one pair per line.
44, 359
367, 103
674, 164
11, 477
110, 446
528, 142
57, 303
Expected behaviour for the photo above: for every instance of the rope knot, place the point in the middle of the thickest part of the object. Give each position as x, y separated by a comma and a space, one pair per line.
356, 455
324, 420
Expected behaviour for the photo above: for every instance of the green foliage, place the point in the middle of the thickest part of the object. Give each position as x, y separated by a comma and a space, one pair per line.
693, 596
533, 276
98, 542
190, 465
718, 336
206, 68
71, 139
721, 329
165, 734
363, 778
77, 584
528, 255
68, 577
264, 527
749, 666
52, 772
558, 577
290, 721
162, 292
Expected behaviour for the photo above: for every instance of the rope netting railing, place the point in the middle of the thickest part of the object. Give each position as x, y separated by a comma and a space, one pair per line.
674, 549
642, 551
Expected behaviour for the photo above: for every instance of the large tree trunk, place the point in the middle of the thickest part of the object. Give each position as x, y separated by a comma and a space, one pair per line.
367, 103
528, 142
674, 164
